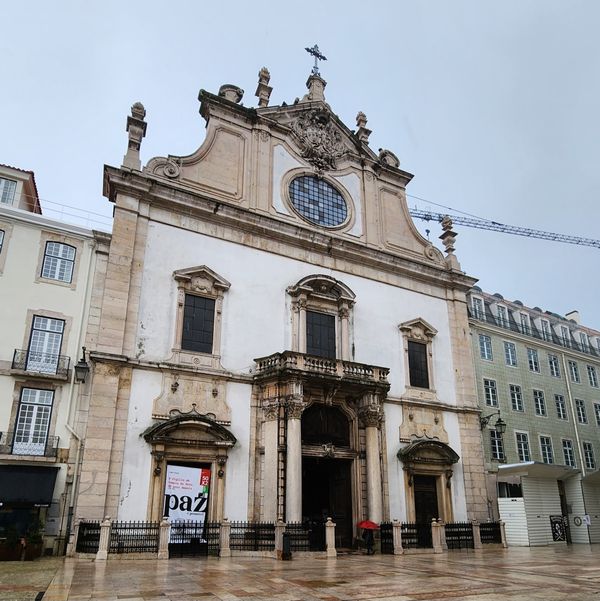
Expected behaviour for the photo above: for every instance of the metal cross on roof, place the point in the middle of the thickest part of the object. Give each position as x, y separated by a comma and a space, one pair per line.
318, 57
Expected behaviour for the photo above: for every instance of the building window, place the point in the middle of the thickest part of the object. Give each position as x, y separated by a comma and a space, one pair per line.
581, 413
485, 347
45, 342
318, 201
533, 360
497, 445
568, 453
1, 239
490, 392
546, 332
523, 446
320, 334
33, 421
539, 402
592, 376
561, 407
502, 316
585, 342
59, 260
417, 364
554, 366
597, 413
574, 372
588, 454
7, 190
198, 324
524, 323
477, 307
516, 398
510, 354
546, 449
565, 335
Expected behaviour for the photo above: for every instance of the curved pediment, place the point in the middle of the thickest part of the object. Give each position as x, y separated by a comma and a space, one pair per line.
189, 429
428, 451
324, 286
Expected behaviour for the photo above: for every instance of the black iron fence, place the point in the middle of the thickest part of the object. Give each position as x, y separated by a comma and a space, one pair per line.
490, 532
41, 363
134, 537
252, 536
88, 537
417, 536
459, 535
192, 539
386, 532
306, 536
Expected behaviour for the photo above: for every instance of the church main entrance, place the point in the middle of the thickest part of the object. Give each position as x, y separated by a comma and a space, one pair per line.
426, 502
327, 492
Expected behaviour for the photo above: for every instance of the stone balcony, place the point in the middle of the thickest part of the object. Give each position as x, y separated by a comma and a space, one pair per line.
310, 368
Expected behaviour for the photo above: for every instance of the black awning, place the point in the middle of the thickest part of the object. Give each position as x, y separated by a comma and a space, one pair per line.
31, 484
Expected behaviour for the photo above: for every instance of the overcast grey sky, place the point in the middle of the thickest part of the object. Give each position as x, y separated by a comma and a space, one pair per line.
494, 106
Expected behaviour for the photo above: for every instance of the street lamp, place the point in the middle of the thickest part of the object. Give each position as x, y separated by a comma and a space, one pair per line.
82, 369
499, 426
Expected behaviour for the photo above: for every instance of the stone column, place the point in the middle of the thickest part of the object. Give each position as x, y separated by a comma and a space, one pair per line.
293, 471
163, 539
371, 415
443, 534
344, 313
503, 534
330, 538
302, 325
105, 526
224, 534
436, 536
476, 535
271, 460
279, 530
397, 537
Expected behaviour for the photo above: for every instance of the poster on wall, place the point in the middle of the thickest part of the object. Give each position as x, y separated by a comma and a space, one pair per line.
186, 493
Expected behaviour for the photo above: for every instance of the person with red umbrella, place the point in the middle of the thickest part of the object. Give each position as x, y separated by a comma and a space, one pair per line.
367, 527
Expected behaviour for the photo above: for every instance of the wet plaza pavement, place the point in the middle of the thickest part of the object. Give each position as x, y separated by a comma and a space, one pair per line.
515, 574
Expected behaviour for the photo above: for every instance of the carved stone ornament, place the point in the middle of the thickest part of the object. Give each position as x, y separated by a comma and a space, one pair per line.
271, 409
328, 449
295, 407
387, 157
418, 329
371, 415
164, 167
321, 142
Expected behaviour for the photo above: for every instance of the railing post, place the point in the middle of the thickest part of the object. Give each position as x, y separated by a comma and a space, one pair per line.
163, 539
330, 538
436, 536
279, 530
397, 537
73, 536
503, 534
443, 534
476, 535
224, 534
104, 539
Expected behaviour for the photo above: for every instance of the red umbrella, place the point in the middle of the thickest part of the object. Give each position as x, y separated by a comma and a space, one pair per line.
368, 525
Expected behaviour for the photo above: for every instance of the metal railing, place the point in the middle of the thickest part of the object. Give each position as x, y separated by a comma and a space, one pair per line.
134, 537
15, 444
459, 535
386, 533
417, 536
490, 532
194, 539
306, 536
252, 536
41, 363
88, 537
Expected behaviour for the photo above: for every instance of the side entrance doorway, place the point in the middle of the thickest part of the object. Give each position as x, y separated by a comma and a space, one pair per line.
426, 501
327, 492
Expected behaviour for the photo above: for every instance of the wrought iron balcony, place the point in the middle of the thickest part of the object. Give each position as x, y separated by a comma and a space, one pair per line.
41, 363
12, 443
310, 365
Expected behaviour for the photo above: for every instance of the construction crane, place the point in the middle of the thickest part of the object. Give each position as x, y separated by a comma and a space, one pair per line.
485, 224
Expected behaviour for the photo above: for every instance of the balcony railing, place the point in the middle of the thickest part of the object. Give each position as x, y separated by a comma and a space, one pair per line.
337, 368
12, 443
41, 363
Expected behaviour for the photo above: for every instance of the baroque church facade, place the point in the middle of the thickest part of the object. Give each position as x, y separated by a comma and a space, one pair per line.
269, 316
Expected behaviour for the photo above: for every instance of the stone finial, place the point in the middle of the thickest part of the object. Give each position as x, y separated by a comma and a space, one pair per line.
316, 89
231, 92
136, 128
363, 133
448, 239
263, 89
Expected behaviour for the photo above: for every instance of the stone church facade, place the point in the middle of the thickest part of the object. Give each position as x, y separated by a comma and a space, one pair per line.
269, 313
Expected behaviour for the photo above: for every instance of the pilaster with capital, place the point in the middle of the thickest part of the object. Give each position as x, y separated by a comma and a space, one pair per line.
371, 415
270, 408
295, 405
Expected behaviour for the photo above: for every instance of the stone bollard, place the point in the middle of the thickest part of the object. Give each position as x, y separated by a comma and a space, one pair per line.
443, 534
476, 535
224, 534
397, 537
104, 539
436, 536
503, 533
330, 538
279, 530
74, 535
163, 539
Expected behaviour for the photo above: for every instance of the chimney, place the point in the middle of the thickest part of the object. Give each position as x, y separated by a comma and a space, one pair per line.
574, 315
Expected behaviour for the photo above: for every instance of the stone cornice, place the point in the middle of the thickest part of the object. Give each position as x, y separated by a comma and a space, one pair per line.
170, 197
439, 406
